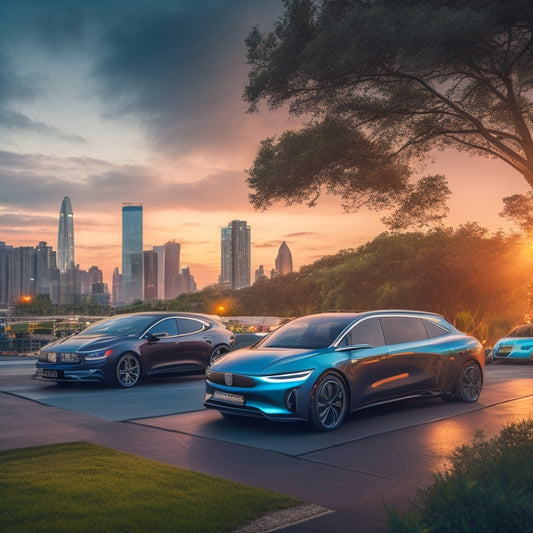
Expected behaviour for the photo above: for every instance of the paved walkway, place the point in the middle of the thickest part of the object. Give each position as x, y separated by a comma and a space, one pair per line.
353, 479
344, 477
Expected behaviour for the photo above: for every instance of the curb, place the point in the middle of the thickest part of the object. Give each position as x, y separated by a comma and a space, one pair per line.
284, 518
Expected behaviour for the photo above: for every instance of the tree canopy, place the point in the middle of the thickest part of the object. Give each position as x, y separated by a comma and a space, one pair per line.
479, 281
379, 84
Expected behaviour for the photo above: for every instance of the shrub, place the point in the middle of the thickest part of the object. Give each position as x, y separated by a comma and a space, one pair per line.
489, 487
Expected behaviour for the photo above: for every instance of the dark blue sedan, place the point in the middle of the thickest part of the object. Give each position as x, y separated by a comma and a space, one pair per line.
125, 348
320, 367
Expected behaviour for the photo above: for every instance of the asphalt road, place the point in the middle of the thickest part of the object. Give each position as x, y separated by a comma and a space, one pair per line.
381, 454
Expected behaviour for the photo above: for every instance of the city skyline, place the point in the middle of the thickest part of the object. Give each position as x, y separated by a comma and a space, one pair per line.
108, 104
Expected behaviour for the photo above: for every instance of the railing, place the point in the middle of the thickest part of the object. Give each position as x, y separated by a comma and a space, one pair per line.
21, 345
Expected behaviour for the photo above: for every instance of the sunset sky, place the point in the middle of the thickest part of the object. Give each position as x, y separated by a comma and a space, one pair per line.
139, 101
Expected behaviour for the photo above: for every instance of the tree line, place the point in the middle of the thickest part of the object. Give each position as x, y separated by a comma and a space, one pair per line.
478, 280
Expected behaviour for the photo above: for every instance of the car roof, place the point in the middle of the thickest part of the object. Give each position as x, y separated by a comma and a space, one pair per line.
380, 312
169, 314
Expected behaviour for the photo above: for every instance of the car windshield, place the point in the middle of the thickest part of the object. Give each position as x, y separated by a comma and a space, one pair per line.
120, 325
308, 332
522, 331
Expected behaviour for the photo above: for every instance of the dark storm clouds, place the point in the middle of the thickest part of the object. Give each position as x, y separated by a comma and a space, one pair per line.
178, 66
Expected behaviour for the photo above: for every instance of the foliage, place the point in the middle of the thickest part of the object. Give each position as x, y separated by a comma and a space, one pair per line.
85, 487
41, 305
477, 280
489, 488
519, 209
380, 84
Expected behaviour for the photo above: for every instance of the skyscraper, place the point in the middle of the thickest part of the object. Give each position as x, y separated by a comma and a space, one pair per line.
132, 252
172, 269
284, 260
117, 286
65, 239
235, 256
150, 275
160, 251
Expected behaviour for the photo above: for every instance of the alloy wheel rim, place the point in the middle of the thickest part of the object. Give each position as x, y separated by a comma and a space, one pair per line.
330, 405
128, 371
471, 383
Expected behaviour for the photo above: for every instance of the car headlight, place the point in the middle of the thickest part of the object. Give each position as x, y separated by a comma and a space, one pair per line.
97, 354
289, 377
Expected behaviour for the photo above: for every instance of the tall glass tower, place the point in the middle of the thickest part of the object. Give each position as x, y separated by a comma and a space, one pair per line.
132, 252
284, 260
65, 239
235, 256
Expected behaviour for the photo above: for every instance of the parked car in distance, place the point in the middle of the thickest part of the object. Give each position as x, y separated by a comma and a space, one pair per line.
318, 368
125, 348
517, 345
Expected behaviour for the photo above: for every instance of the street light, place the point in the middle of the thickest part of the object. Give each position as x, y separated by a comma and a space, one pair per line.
27, 300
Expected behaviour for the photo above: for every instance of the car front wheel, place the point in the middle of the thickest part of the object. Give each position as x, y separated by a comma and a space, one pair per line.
128, 370
328, 403
469, 384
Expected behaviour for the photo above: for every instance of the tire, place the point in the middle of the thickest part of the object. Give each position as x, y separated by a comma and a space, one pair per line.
218, 352
128, 370
329, 403
469, 383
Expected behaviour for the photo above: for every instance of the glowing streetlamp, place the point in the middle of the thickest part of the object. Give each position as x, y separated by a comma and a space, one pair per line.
26, 299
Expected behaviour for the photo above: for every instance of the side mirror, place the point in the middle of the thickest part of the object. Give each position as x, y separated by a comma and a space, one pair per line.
151, 338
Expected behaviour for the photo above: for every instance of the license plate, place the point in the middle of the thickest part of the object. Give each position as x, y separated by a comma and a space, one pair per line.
227, 397
49, 373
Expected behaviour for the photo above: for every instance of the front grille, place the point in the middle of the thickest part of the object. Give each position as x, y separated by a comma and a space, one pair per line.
57, 357
504, 351
238, 381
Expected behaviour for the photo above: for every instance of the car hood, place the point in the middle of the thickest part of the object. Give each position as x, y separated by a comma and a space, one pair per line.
519, 341
83, 343
257, 361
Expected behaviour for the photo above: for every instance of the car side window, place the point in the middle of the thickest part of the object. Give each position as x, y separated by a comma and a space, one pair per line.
166, 327
434, 330
366, 332
400, 329
189, 325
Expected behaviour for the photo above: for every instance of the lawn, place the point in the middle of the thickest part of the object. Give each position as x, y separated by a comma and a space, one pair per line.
82, 487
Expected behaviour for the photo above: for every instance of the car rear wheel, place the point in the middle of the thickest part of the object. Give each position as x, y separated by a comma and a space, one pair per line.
218, 352
128, 370
328, 403
469, 384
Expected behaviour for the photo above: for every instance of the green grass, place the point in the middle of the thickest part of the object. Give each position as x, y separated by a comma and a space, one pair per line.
82, 487
488, 488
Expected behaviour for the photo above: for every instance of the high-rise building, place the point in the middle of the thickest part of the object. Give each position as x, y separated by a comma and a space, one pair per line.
150, 275
6, 259
235, 257
284, 260
160, 251
28, 271
172, 269
132, 253
65, 237
47, 274
186, 282
117, 286
260, 274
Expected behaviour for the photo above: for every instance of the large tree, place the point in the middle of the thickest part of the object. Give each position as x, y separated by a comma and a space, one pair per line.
380, 83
